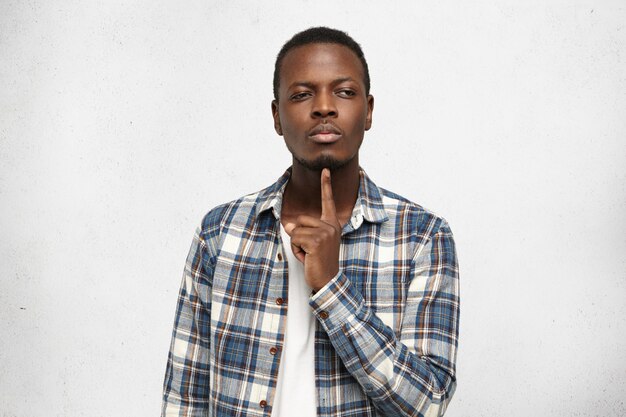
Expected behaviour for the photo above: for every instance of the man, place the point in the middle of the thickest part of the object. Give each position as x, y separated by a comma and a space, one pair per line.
321, 295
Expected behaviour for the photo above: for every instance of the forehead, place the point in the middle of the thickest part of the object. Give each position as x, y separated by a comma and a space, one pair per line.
317, 62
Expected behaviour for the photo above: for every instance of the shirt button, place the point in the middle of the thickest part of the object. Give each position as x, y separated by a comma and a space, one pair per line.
323, 315
263, 404
279, 301
273, 350
280, 256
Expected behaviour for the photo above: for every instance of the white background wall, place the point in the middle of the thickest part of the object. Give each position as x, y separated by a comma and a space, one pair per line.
122, 123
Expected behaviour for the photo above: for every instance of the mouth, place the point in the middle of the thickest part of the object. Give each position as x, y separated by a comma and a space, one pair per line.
325, 134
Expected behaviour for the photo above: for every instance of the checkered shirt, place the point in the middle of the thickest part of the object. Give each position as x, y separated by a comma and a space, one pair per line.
387, 324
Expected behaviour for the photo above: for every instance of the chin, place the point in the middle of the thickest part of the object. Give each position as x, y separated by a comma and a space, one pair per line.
323, 161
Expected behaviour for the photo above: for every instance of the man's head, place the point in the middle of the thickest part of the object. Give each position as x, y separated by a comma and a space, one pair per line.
322, 106
320, 34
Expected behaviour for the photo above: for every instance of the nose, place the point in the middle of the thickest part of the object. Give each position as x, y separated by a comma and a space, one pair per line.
323, 106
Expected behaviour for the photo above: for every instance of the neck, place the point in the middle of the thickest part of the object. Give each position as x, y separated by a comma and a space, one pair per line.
303, 192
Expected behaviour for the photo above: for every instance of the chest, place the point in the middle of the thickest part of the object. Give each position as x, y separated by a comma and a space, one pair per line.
250, 282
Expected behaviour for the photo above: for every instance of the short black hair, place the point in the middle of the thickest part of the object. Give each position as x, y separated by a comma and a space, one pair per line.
320, 34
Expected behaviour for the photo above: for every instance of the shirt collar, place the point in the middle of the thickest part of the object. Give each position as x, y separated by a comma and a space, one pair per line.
368, 206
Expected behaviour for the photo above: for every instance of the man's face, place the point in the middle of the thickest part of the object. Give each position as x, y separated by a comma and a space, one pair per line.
322, 111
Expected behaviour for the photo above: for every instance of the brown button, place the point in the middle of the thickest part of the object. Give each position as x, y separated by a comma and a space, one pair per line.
324, 315
279, 301
280, 256
273, 350
263, 403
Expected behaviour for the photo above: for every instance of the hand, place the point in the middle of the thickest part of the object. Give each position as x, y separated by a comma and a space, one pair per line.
315, 242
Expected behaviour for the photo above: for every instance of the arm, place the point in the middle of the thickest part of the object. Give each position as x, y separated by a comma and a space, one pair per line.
186, 387
413, 375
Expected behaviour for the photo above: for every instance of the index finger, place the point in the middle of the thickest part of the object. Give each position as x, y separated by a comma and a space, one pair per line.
329, 212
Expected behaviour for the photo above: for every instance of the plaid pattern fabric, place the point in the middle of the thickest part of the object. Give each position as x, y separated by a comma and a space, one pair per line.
387, 327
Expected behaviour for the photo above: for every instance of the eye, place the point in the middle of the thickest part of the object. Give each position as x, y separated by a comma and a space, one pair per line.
300, 96
346, 93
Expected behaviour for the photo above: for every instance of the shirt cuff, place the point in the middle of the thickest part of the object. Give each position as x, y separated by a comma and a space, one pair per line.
336, 303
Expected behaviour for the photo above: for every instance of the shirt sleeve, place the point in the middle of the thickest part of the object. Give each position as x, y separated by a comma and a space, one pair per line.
413, 374
186, 387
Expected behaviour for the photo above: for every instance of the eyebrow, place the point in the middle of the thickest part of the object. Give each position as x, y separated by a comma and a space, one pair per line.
311, 85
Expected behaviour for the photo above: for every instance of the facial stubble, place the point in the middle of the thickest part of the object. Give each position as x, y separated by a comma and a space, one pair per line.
322, 161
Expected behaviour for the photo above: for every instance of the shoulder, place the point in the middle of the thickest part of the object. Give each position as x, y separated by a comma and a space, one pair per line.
231, 213
422, 223
237, 216
400, 217
232, 216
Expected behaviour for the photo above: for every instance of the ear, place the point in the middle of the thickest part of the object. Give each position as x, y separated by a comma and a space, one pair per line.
370, 110
276, 117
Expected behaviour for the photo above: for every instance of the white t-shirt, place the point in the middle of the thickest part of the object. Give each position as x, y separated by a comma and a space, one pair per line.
295, 390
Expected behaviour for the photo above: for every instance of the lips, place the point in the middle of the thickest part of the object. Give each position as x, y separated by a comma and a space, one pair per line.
325, 134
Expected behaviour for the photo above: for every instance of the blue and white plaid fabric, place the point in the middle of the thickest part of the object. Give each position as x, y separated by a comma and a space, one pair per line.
387, 328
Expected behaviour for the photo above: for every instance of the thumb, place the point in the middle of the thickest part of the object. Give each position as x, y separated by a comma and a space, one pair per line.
289, 228
298, 252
